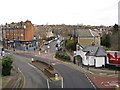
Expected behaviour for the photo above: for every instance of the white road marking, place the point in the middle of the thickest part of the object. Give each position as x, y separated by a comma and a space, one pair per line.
23, 77
48, 84
37, 70
19, 70
53, 63
90, 81
32, 66
61, 82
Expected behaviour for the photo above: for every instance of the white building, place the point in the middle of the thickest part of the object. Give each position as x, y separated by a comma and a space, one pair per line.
91, 55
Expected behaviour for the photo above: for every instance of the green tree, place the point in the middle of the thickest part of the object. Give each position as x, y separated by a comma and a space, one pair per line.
71, 45
6, 65
106, 41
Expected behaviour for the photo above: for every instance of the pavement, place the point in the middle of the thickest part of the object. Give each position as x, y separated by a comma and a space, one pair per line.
101, 77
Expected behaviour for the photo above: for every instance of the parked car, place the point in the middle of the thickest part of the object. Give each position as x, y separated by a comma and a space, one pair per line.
46, 43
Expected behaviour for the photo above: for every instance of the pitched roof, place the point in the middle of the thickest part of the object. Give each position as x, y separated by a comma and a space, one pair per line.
86, 33
94, 51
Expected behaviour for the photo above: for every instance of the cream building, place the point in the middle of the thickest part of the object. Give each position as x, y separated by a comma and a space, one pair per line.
88, 37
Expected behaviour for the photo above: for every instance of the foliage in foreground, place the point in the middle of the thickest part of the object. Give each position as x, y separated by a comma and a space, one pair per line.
7, 65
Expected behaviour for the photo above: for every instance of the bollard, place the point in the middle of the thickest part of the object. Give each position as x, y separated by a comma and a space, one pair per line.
45, 51
117, 87
32, 60
56, 77
39, 53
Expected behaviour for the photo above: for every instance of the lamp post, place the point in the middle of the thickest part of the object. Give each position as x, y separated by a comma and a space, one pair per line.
2, 36
48, 53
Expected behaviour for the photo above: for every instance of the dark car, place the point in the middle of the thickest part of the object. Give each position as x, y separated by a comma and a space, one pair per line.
46, 43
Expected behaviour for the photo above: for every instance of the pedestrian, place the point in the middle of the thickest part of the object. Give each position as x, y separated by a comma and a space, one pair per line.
2, 52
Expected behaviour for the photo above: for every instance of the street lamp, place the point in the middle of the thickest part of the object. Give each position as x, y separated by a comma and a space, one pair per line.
48, 53
2, 36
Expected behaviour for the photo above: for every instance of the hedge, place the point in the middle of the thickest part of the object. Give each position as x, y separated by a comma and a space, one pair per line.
62, 55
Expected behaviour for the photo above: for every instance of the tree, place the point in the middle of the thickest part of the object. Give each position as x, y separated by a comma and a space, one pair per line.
106, 40
115, 27
115, 43
71, 45
6, 65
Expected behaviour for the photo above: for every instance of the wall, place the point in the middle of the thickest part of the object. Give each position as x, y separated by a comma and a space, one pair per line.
29, 32
89, 40
99, 61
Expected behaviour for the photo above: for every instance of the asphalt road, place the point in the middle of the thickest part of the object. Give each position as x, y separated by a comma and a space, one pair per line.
36, 79
72, 78
33, 78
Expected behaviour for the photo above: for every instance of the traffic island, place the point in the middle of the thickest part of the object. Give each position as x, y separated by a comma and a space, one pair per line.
47, 69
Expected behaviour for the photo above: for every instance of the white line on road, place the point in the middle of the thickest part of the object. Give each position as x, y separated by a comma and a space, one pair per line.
37, 70
23, 77
32, 66
61, 82
90, 81
48, 84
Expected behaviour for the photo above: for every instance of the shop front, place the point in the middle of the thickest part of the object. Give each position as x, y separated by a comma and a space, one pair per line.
25, 45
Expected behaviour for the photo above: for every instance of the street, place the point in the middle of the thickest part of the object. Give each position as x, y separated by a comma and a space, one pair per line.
72, 78
33, 78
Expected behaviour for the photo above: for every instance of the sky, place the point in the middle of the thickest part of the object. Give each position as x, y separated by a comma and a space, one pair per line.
70, 12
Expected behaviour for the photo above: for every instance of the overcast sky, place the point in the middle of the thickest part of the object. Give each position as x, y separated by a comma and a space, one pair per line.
73, 12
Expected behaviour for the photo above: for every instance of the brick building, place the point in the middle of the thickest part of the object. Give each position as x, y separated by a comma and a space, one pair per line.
21, 34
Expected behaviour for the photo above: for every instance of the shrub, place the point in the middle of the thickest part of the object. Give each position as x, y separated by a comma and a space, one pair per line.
62, 55
6, 65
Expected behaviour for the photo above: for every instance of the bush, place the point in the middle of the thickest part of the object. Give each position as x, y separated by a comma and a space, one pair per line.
6, 65
62, 55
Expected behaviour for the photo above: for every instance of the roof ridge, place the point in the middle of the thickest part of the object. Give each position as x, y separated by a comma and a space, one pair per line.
97, 51
91, 32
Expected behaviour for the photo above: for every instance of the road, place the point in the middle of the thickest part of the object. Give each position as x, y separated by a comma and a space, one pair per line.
72, 78
33, 78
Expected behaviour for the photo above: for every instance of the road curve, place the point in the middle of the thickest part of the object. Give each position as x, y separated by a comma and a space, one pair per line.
72, 78
33, 77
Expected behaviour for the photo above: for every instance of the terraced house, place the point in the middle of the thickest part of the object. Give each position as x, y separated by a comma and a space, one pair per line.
19, 35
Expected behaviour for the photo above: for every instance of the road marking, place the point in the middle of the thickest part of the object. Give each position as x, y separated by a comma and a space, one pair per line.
56, 63
90, 81
32, 66
48, 84
23, 77
61, 82
35, 55
39, 71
